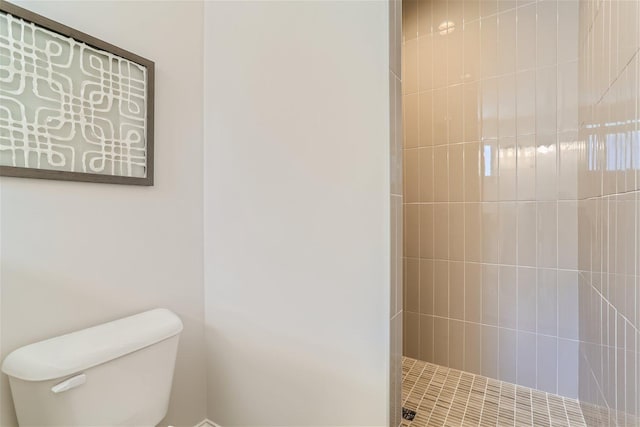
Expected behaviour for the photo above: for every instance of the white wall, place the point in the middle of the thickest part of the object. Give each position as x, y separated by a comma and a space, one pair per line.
76, 254
297, 212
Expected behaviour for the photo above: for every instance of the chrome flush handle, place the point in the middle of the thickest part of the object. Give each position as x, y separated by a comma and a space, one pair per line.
69, 383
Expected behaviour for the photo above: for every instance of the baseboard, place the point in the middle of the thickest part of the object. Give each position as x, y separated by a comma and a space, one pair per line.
207, 423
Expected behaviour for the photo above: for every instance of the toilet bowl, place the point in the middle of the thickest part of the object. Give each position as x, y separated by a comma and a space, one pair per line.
115, 374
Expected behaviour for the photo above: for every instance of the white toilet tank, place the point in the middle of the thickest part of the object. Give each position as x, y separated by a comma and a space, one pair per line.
115, 374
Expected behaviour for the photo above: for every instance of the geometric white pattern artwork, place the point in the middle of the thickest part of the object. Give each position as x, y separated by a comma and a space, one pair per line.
68, 106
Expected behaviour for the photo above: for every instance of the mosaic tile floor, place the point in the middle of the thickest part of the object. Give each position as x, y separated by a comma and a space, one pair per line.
443, 397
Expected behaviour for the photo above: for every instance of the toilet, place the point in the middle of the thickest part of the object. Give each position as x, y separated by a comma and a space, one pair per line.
115, 374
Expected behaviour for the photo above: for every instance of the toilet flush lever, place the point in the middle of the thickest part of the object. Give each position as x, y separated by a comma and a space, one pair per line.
69, 383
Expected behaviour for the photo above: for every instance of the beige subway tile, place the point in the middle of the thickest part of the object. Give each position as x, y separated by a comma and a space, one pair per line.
440, 126
546, 101
472, 113
426, 119
526, 306
456, 344
526, 37
507, 167
439, 52
456, 290
547, 302
547, 234
488, 8
455, 51
426, 231
410, 66
455, 113
425, 62
472, 339
568, 30
568, 235
546, 168
567, 97
508, 290
411, 179
456, 231
547, 33
456, 173
411, 334
439, 11
490, 232
568, 300
411, 116
489, 357
568, 165
411, 231
473, 232
507, 42
547, 367
527, 236
490, 290
472, 47
508, 232
441, 288
489, 94
471, 11
441, 173
526, 102
489, 164
508, 355
472, 177
426, 174
410, 19
441, 337
527, 373
425, 17
412, 285
507, 106
426, 338
441, 232
526, 167
489, 44
426, 286
473, 292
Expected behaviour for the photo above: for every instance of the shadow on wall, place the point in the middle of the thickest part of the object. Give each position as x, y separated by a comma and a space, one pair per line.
286, 366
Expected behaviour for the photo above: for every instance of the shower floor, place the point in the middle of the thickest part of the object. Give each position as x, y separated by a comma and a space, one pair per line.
447, 397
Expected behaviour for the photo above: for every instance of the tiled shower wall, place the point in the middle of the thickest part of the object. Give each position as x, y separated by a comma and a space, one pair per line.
395, 167
490, 188
609, 211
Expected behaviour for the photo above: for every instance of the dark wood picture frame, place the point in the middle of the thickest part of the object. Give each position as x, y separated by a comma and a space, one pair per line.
79, 36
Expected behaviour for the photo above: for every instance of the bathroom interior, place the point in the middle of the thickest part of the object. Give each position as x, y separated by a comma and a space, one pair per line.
361, 213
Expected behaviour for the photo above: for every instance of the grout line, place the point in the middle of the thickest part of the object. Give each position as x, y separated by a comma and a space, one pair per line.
497, 408
414, 385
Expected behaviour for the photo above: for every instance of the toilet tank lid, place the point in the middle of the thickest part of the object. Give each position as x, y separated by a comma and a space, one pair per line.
71, 353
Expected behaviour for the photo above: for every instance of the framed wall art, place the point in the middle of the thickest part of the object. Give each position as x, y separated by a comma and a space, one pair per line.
72, 107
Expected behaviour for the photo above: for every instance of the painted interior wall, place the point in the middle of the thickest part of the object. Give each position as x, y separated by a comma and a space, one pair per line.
293, 103
395, 137
490, 188
609, 212
76, 254
297, 213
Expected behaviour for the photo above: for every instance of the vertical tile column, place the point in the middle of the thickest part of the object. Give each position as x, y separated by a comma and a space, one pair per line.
490, 188
609, 211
